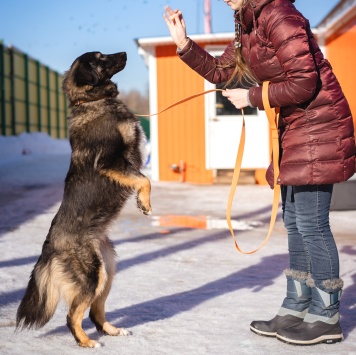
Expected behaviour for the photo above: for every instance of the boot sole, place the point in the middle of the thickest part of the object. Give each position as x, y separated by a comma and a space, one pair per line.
265, 334
326, 339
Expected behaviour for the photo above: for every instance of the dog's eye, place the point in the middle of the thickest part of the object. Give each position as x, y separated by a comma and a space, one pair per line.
98, 55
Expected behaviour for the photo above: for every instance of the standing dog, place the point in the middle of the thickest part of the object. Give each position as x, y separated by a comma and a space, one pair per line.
78, 260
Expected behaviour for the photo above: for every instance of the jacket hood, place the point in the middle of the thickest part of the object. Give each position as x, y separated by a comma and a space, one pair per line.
250, 11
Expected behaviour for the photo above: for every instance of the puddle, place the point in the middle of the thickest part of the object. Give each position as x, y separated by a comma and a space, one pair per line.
202, 222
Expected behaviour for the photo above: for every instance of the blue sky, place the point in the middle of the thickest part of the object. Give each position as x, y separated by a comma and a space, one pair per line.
56, 32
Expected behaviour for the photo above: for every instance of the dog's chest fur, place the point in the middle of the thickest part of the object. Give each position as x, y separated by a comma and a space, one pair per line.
102, 119
105, 127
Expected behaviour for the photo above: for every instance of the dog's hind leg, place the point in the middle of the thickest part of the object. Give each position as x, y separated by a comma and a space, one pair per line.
106, 275
97, 313
140, 183
75, 319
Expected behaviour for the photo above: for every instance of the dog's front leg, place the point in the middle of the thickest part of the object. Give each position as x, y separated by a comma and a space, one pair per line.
140, 183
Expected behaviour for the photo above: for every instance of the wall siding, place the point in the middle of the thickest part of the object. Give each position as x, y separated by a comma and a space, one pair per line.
181, 130
341, 52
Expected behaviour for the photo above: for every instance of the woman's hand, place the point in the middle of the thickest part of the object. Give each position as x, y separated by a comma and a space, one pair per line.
238, 97
176, 25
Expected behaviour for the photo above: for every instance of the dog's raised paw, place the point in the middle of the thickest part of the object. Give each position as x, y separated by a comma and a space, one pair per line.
145, 210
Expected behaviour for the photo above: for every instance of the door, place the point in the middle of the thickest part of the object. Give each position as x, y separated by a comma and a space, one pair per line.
223, 130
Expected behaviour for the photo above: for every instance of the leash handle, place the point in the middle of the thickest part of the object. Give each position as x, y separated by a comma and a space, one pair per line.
180, 102
273, 116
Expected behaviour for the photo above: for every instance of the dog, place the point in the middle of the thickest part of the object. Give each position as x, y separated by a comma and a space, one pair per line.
77, 262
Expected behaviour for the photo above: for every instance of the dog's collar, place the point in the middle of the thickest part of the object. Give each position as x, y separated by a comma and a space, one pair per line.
77, 103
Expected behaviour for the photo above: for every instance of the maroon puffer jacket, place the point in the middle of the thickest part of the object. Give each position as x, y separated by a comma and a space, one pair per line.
316, 127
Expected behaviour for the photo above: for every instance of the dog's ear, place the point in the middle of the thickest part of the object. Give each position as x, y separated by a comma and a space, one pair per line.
86, 75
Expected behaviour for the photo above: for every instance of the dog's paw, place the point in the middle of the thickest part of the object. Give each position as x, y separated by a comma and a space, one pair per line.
123, 332
111, 330
90, 344
145, 211
144, 208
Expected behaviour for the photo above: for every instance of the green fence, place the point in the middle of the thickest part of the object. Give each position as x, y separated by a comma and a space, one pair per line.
145, 123
31, 98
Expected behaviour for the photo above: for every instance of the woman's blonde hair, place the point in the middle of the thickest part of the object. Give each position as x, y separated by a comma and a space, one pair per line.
242, 72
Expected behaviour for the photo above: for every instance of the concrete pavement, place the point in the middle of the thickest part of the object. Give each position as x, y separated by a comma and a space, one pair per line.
181, 287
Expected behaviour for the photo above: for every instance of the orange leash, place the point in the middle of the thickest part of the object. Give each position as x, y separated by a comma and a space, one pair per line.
181, 101
273, 116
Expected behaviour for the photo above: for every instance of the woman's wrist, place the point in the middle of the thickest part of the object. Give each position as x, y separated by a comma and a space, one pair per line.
248, 98
182, 44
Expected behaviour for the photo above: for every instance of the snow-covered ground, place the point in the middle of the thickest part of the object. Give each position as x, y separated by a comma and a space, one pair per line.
181, 287
27, 144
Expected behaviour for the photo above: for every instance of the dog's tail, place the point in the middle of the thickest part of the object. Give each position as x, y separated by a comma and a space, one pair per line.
41, 297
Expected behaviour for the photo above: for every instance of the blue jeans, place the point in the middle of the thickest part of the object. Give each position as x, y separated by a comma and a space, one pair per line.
311, 244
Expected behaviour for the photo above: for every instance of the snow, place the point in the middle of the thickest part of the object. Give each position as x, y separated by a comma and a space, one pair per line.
180, 288
33, 143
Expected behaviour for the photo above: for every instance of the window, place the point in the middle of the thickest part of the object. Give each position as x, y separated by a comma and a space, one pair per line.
225, 108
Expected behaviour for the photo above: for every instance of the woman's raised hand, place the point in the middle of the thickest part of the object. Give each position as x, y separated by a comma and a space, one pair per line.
176, 25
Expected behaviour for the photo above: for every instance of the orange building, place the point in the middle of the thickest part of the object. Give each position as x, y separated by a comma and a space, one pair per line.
337, 38
197, 140
194, 141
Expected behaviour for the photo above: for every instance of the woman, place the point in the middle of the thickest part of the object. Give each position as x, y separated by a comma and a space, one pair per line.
274, 43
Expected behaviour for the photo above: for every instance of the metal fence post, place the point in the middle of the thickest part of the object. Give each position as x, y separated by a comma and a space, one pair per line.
49, 126
57, 109
27, 94
39, 106
2, 89
12, 92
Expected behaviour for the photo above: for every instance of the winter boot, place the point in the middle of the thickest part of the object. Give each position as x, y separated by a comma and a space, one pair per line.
293, 309
321, 323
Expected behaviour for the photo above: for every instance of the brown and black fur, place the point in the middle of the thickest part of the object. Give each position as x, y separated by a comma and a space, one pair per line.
78, 260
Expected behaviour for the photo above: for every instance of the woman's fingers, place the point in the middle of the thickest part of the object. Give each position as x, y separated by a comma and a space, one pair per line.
176, 25
237, 97
174, 16
168, 10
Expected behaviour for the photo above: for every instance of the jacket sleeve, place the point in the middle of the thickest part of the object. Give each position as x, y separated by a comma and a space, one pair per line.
215, 70
287, 32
